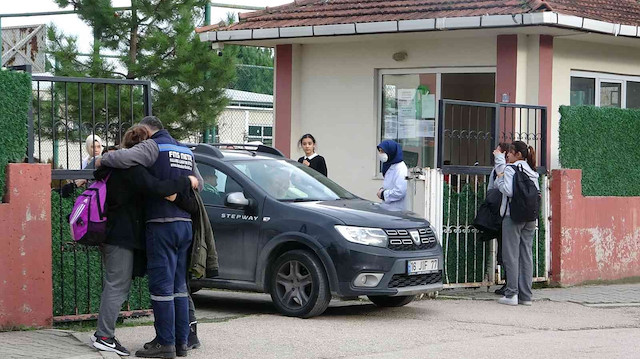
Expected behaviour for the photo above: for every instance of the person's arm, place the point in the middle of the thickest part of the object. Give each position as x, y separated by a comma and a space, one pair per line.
322, 166
186, 200
399, 183
198, 176
504, 182
145, 182
500, 162
144, 153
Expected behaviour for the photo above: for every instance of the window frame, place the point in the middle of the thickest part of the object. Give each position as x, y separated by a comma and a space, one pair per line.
262, 137
438, 71
601, 77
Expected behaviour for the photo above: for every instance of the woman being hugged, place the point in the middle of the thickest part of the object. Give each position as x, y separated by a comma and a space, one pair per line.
394, 188
517, 236
311, 158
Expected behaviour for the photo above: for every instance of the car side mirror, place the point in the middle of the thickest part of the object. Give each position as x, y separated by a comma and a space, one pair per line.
237, 200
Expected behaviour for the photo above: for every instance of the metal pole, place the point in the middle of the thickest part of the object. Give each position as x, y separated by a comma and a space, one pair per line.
239, 7
207, 21
207, 14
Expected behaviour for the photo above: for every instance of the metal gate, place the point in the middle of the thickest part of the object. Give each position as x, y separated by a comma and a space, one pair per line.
65, 111
468, 133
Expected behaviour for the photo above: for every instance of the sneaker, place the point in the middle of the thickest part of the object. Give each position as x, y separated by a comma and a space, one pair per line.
501, 290
93, 337
525, 302
158, 351
110, 345
509, 301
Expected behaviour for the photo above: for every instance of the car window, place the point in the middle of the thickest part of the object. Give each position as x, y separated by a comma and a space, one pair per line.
291, 181
217, 184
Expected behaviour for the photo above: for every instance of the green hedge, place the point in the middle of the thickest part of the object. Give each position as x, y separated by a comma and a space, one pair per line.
15, 94
603, 143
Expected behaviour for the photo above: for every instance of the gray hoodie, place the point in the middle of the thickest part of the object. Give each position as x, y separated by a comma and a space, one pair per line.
505, 183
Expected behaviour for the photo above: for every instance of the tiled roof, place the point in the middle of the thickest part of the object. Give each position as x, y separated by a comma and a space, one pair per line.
332, 12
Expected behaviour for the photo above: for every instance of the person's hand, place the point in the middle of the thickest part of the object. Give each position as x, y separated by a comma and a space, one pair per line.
194, 182
380, 193
501, 174
497, 151
306, 163
80, 182
98, 161
172, 197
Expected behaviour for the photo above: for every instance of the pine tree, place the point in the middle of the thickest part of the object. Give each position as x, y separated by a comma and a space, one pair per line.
158, 43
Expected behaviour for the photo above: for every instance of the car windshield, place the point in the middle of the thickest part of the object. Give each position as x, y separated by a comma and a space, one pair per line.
292, 181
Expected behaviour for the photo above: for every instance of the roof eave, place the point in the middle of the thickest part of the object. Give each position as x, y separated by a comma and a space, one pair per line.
545, 18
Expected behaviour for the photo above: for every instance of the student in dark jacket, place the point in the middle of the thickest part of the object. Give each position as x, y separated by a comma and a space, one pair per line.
123, 252
311, 158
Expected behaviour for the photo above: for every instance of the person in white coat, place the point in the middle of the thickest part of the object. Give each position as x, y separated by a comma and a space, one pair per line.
394, 188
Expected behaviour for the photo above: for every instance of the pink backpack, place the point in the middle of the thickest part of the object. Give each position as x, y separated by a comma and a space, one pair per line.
88, 218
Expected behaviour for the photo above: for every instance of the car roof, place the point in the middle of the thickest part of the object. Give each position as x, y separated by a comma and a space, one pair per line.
224, 152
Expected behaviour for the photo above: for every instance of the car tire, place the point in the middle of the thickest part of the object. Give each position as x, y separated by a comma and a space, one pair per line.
298, 285
386, 301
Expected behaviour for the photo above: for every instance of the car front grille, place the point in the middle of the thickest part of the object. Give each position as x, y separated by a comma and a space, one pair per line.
405, 280
402, 239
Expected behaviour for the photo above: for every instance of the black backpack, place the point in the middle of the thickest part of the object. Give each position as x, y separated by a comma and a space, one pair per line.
525, 203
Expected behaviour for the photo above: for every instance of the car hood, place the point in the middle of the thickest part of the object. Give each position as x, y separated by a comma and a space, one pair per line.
363, 213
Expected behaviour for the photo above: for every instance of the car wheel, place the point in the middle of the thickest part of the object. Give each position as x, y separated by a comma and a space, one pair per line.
299, 285
387, 301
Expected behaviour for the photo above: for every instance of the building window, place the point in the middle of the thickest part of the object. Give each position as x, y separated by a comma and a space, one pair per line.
263, 134
604, 90
633, 94
583, 91
409, 107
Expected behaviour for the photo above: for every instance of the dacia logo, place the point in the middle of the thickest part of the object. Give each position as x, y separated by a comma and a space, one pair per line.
416, 237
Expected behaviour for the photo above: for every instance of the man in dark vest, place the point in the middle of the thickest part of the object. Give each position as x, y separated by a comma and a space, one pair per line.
168, 237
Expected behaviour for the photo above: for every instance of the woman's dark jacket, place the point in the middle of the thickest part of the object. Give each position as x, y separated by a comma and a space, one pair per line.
126, 192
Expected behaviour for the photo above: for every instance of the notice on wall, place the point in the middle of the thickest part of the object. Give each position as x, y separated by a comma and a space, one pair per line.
407, 128
427, 128
390, 127
406, 104
429, 106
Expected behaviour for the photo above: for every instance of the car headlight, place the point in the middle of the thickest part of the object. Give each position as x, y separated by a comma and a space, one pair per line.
361, 235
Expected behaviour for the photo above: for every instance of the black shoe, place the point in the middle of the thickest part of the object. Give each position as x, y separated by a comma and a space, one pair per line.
192, 341
181, 350
110, 345
151, 343
211, 273
501, 290
158, 351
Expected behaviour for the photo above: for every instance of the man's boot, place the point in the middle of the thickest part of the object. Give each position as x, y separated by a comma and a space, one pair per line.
158, 351
193, 342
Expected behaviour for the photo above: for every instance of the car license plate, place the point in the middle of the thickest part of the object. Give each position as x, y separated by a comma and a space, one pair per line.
422, 266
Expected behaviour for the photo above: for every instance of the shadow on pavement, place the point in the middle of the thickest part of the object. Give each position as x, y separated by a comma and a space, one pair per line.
212, 303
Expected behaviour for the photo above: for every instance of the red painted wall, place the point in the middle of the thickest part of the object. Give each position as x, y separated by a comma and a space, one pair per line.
593, 238
506, 67
26, 296
545, 88
282, 128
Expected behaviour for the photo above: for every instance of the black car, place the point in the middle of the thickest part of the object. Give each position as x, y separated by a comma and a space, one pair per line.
282, 228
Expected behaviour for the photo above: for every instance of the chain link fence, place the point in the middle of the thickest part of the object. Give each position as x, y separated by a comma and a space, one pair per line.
249, 115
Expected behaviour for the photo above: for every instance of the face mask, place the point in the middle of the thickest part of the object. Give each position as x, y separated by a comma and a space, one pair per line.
383, 157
